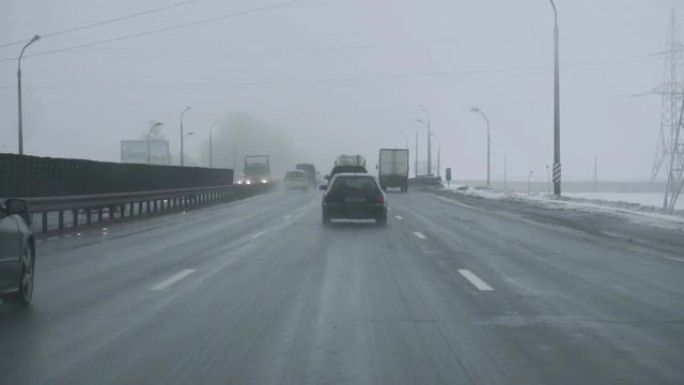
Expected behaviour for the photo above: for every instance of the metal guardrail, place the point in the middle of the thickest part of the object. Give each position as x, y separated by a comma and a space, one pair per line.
432, 181
70, 212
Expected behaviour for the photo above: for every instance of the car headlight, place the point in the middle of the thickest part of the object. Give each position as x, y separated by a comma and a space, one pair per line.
264, 181
240, 182
249, 182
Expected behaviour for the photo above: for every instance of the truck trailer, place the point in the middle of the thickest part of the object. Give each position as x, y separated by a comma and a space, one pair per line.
393, 168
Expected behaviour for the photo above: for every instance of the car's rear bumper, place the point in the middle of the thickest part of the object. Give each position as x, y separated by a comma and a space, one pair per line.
354, 210
297, 186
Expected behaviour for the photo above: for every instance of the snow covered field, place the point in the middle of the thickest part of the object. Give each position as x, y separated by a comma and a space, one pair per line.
646, 199
643, 208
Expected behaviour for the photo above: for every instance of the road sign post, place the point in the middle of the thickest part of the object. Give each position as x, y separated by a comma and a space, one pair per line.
448, 176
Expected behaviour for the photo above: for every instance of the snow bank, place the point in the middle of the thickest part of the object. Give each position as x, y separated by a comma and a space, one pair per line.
654, 200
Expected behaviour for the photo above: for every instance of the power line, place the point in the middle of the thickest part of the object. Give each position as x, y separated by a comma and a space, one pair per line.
306, 50
117, 19
160, 30
258, 83
222, 83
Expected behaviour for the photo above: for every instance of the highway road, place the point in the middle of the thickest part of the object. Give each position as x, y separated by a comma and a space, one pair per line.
455, 290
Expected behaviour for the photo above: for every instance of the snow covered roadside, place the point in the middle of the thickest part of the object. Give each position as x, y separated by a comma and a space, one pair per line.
634, 212
654, 200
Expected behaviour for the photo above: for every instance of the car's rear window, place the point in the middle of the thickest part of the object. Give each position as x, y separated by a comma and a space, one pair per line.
355, 183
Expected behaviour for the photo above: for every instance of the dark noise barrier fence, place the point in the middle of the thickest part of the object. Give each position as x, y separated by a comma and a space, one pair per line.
65, 194
32, 176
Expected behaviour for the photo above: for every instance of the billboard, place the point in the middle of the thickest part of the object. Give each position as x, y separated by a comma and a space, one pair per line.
135, 151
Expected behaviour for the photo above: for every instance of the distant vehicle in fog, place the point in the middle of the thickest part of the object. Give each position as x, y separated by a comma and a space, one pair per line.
350, 160
257, 170
310, 171
393, 168
354, 196
348, 164
296, 180
346, 169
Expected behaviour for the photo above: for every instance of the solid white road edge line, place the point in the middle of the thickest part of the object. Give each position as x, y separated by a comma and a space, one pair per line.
399, 217
419, 235
171, 280
455, 202
475, 280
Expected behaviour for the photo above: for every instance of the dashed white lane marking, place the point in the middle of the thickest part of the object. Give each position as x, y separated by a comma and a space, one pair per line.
511, 215
674, 259
475, 280
171, 280
419, 235
399, 217
608, 233
288, 216
257, 235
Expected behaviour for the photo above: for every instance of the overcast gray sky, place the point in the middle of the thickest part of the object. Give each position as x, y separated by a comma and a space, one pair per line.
347, 76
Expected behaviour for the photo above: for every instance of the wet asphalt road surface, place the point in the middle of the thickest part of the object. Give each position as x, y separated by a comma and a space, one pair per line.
453, 290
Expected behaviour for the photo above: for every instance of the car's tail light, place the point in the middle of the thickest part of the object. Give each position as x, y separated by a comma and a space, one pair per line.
380, 198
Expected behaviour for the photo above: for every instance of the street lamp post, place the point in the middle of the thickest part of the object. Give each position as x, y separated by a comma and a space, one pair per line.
505, 172
429, 142
416, 154
595, 172
416, 165
556, 109
439, 155
211, 144
529, 182
149, 133
182, 160
189, 134
21, 117
489, 145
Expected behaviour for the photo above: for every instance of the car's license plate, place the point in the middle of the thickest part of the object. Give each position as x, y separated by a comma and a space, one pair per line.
354, 200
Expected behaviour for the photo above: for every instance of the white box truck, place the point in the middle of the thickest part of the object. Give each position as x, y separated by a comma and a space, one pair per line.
393, 168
